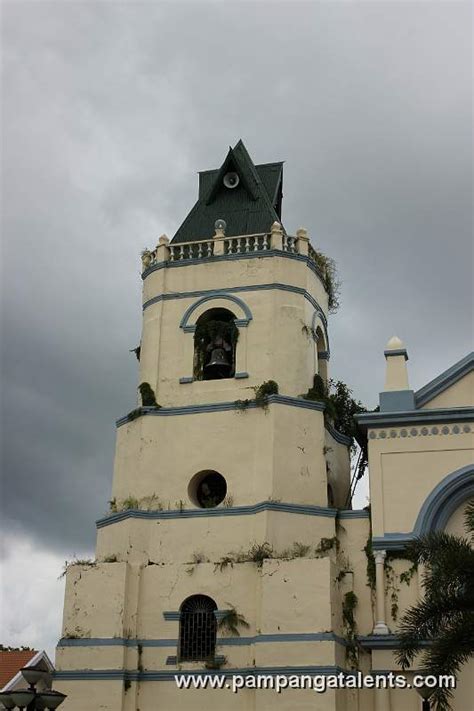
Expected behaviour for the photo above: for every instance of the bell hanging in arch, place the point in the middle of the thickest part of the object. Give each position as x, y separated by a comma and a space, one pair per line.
218, 366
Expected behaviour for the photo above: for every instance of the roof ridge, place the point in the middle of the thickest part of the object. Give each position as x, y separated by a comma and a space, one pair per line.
442, 381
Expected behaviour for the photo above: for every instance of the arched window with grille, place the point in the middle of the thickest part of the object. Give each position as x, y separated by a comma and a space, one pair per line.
197, 629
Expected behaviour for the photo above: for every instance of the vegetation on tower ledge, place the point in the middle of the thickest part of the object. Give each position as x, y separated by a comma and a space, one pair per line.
332, 283
148, 395
340, 407
148, 398
262, 393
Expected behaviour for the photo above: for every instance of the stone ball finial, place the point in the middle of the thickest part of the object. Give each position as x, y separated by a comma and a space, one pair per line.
164, 239
276, 227
394, 344
302, 233
220, 227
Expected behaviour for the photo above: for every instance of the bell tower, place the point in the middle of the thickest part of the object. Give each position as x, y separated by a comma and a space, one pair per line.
220, 550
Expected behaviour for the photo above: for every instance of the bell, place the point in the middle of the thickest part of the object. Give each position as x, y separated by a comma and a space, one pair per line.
218, 366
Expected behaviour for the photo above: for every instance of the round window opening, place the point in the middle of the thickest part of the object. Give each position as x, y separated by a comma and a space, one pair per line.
207, 489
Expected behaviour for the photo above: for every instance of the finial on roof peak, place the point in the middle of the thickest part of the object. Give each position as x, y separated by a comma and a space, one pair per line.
394, 344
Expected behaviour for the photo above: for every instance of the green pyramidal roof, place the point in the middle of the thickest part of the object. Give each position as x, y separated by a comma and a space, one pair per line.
251, 207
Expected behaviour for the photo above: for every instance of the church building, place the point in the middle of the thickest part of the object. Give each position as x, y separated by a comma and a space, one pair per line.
231, 547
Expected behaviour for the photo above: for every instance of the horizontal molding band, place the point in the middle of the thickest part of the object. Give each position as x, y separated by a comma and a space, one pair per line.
231, 257
392, 541
224, 641
353, 513
300, 509
396, 352
441, 415
216, 293
168, 675
338, 436
226, 407
382, 641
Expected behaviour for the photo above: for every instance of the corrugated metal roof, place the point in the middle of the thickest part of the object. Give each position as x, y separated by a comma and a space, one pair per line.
252, 207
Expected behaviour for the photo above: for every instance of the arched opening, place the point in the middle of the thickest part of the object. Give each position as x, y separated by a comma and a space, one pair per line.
197, 629
207, 489
321, 352
215, 342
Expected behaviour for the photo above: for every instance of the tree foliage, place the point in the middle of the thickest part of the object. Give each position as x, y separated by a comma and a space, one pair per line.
445, 616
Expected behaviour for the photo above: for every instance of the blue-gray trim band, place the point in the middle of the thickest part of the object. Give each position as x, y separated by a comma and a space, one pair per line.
224, 641
445, 380
396, 352
436, 511
226, 291
225, 407
214, 294
338, 436
382, 419
300, 509
168, 675
231, 257
382, 641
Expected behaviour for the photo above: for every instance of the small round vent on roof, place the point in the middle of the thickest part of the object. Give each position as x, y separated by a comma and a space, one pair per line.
231, 180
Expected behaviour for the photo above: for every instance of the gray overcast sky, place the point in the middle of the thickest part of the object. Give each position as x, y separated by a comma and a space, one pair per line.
110, 109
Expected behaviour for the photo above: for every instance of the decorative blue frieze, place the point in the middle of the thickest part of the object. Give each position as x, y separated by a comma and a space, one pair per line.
416, 417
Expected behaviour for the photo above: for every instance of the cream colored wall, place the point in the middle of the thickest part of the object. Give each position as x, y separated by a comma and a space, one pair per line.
405, 465
279, 597
408, 699
275, 345
461, 394
106, 695
85, 587
277, 453
404, 471
353, 535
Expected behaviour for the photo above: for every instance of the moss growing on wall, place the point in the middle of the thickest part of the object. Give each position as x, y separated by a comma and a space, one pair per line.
349, 604
148, 395
262, 393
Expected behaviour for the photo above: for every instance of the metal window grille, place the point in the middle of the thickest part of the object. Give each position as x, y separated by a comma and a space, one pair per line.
198, 629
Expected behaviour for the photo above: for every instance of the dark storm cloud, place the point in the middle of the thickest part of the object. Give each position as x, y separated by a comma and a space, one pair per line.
112, 108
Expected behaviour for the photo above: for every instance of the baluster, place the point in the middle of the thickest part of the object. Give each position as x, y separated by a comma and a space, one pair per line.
199, 254
247, 244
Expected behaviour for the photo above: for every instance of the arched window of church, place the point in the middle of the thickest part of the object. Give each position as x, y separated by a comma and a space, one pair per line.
215, 343
198, 629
